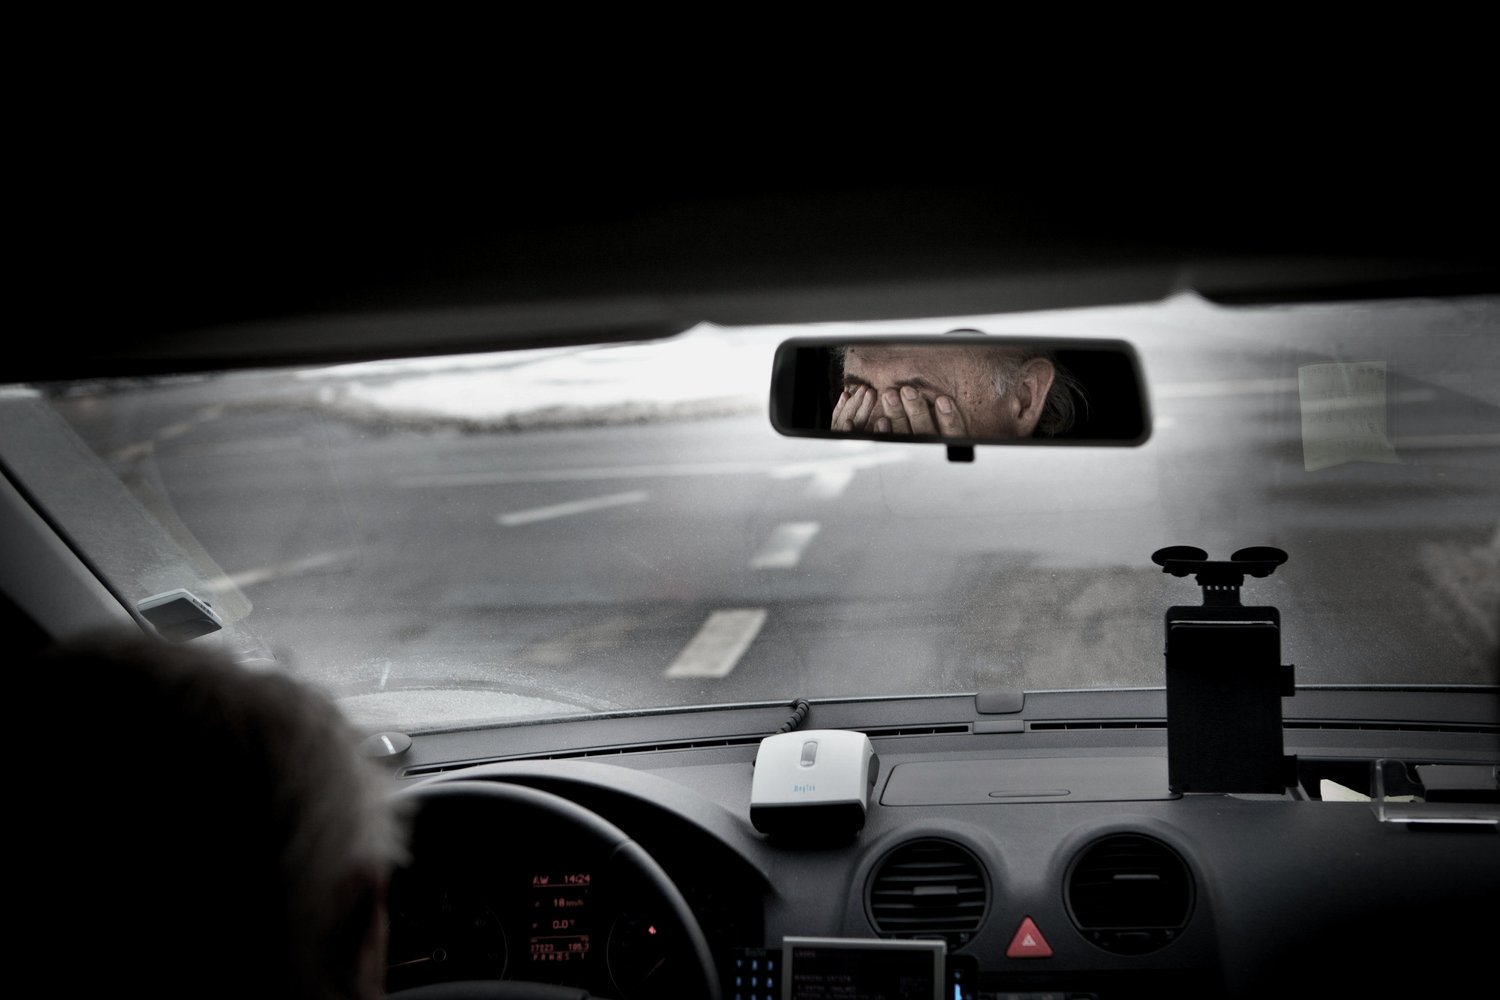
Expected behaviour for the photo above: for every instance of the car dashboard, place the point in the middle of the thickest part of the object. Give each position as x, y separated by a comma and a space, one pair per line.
1037, 839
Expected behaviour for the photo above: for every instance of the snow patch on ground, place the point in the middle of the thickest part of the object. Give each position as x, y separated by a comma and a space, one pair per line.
705, 372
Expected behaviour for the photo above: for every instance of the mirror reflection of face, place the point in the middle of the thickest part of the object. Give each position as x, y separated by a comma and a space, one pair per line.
945, 390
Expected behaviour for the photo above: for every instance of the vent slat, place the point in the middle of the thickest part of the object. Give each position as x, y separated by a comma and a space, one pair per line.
1130, 894
932, 877
928, 888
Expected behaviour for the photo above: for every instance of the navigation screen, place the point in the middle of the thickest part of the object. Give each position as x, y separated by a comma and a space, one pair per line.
559, 917
861, 969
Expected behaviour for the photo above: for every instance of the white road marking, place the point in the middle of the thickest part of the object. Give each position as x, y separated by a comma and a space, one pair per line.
1228, 387
570, 508
385, 675
171, 431
784, 548
585, 474
131, 452
292, 567
251, 446
776, 470
829, 477
829, 483
1260, 387
719, 644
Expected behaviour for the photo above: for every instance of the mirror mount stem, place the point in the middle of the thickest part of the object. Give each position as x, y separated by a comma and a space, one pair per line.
960, 453
1225, 679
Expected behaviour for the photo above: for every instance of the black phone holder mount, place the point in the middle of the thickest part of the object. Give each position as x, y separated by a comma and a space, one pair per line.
1225, 679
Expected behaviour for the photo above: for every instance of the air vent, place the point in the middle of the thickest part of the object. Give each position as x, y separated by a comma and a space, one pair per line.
1043, 727
1130, 894
1392, 727
876, 734
1373, 727
928, 889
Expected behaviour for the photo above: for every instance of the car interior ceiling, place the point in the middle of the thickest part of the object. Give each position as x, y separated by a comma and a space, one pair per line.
289, 279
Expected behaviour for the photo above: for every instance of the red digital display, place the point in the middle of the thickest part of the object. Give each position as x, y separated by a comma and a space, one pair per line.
559, 917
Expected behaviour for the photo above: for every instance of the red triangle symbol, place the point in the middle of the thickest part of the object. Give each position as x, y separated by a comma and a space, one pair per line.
1028, 942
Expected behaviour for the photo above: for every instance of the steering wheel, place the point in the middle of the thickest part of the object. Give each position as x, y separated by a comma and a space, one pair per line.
469, 820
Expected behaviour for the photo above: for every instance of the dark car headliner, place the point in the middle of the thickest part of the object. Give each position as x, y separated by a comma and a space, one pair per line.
205, 271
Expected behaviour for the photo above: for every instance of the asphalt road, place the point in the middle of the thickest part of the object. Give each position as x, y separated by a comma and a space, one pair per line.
689, 560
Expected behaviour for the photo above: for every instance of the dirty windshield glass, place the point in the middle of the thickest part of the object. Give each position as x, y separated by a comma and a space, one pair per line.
592, 529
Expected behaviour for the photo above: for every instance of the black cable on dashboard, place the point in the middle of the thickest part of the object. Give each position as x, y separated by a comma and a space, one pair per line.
799, 712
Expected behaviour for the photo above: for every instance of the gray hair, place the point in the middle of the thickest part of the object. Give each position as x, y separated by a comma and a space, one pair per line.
1059, 410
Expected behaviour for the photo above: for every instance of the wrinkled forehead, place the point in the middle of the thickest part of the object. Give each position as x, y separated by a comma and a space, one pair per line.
931, 362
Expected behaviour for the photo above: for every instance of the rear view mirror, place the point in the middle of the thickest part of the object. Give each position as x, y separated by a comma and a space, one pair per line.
961, 389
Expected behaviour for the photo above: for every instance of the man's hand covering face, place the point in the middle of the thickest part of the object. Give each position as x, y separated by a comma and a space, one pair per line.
952, 391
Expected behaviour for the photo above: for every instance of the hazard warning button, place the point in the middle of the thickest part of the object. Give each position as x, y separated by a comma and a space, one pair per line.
1028, 942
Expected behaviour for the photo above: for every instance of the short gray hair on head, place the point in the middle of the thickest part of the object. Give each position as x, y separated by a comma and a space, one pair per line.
1059, 410
1063, 396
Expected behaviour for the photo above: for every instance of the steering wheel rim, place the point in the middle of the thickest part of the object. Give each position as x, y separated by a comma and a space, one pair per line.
519, 806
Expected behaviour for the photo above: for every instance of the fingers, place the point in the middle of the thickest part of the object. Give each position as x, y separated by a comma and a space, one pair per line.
865, 406
918, 414
893, 417
896, 411
950, 423
904, 411
840, 421
853, 409
890, 418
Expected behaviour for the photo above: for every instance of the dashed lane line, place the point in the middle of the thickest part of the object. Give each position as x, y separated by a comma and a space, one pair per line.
719, 643
570, 508
292, 567
783, 550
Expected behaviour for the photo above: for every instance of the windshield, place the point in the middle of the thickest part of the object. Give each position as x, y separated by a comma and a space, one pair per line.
456, 540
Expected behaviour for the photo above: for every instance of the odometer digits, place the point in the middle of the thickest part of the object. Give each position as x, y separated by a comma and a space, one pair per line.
559, 917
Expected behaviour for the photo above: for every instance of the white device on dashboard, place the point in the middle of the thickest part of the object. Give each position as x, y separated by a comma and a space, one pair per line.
813, 784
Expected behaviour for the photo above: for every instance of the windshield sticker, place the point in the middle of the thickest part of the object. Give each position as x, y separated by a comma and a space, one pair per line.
1343, 414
